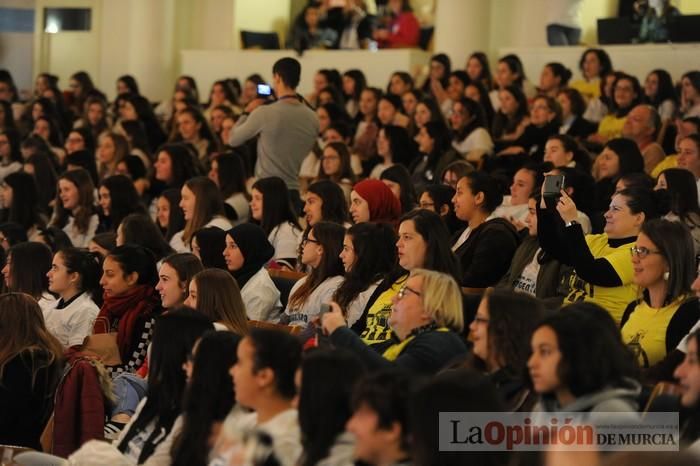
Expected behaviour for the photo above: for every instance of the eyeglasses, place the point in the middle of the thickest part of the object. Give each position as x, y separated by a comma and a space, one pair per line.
402, 291
642, 252
309, 240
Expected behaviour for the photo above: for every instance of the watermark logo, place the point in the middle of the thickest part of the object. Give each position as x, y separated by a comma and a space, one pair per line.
568, 431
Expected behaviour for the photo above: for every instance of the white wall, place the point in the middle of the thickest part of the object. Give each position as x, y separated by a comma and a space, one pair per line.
17, 49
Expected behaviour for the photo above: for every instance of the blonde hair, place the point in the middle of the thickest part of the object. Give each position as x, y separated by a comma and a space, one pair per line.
442, 298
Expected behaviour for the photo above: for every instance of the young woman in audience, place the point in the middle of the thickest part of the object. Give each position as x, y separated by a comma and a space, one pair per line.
228, 172
400, 82
509, 72
409, 101
30, 368
680, 185
11, 233
139, 108
579, 364
373, 201
478, 69
511, 118
426, 319
74, 278
688, 376
325, 201
654, 324
562, 150
427, 110
215, 293
545, 120
486, 247
337, 167
367, 123
501, 332
25, 271
174, 278
690, 94
422, 244
20, 199
394, 146
140, 229
148, 437
74, 209
55, 238
554, 78
433, 141
603, 272
627, 93
47, 130
130, 304
469, 134
619, 157
533, 271
221, 93
133, 167
94, 117
389, 111
112, 148
660, 93
354, 82
572, 121
208, 398
207, 245
192, 128
320, 252
272, 208
10, 155
118, 198
169, 216
173, 166
325, 382
438, 198
440, 69
594, 64
515, 207
202, 207
247, 252
398, 180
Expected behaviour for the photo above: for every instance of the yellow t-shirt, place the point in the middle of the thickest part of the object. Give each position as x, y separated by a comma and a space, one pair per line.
670, 161
377, 328
645, 331
614, 299
588, 89
611, 126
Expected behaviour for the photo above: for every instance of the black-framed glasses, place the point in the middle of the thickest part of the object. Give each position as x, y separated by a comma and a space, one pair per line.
642, 252
404, 288
308, 240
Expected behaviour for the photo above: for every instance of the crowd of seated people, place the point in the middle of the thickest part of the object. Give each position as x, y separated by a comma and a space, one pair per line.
176, 292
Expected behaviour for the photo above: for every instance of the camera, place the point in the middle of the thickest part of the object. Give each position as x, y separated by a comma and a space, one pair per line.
264, 91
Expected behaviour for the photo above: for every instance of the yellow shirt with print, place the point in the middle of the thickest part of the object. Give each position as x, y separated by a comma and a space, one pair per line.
613, 299
611, 126
377, 328
645, 331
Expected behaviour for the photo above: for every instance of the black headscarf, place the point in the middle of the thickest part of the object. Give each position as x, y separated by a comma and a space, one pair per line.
255, 248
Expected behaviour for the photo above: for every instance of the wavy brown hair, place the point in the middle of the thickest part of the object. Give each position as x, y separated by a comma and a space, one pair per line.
219, 298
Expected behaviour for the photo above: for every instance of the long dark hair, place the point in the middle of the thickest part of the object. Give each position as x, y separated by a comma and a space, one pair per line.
208, 398
13, 138
176, 219
87, 265
208, 205
231, 175
140, 229
334, 207
29, 263
328, 378
24, 208
277, 205
174, 336
438, 254
399, 174
375, 250
124, 199
330, 237
45, 176
478, 118
86, 200
403, 149
211, 242
681, 187
665, 89
504, 124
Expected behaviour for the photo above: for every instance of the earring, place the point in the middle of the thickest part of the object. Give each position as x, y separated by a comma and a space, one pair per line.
666, 275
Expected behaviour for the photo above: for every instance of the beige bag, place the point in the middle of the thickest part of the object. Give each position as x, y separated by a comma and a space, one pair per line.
103, 345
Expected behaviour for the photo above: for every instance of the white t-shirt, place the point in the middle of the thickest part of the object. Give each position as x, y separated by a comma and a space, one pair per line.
285, 238
285, 432
357, 307
81, 240
261, 297
239, 204
564, 12
47, 302
74, 322
378, 170
506, 210
527, 281
323, 294
683, 345
479, 139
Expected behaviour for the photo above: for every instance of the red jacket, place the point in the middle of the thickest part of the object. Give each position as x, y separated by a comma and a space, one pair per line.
404, 31
79, 410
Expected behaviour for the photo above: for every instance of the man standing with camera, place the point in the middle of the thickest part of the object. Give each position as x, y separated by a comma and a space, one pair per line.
287, 127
